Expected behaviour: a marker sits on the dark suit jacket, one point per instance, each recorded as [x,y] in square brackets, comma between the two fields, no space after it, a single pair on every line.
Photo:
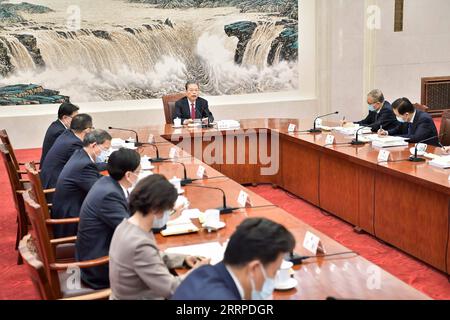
[208,283]
[63,148]
[74,182]
[102,211]
[53,132]
[422,128]
[183,110]
[385,118]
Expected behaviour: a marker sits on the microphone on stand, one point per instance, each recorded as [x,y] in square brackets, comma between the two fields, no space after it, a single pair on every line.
[314,129]
[224,209]
[137,143]
[185,181]
[415,158]
[356,142]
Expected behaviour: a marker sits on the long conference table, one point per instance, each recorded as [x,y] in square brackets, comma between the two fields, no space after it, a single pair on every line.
[402,203]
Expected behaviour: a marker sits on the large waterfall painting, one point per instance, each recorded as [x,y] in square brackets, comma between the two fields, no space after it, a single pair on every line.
[103,50]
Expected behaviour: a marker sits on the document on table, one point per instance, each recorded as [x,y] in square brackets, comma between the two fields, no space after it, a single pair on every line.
[212,250]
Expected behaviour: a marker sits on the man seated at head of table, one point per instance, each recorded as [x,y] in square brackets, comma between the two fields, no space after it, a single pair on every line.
[137,269]
[102,211]
[380,113]
[252,258]
[415,125]
[192,106]
[76,179]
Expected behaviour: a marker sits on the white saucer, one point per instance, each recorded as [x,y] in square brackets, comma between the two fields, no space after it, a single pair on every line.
[177,127]
[288,285]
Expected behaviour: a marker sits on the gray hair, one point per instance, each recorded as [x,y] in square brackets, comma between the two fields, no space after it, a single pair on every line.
[98,136]
[376,95]
[192,82]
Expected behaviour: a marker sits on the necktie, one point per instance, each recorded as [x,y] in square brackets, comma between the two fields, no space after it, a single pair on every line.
[409,128]
[192,110]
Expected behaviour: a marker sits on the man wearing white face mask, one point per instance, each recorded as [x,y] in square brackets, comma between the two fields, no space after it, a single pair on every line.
[137,269]
[102,211]
[76,179]
[415,125]
[380,113]
[252,258]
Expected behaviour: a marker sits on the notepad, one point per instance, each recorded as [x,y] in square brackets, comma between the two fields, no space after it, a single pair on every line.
[211,250]
[441,162]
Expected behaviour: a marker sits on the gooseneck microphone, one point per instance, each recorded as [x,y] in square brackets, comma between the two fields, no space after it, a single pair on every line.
[314,129]
[137,143]
[415,158]
[185,181]
[356,142]
[224,209]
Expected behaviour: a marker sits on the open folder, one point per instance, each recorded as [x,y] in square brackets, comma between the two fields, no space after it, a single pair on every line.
[181,225]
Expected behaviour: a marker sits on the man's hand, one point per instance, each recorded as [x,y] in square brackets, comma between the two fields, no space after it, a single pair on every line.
[195,262]
[188,121]
[383,133]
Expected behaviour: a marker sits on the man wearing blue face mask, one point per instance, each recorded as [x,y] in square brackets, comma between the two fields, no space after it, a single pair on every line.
[252,258]
[103,209]
[137,269]
[415,125]
[78,176]
[380,113]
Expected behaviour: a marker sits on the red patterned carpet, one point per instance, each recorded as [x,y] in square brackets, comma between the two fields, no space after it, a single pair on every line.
[15,283]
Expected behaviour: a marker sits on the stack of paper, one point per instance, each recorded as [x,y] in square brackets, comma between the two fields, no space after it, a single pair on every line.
[228,124]
[387,142]
[351,131]
[441,162]
[211,250]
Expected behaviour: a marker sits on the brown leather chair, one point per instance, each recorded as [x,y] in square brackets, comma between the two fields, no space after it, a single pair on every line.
[51,276]
[445,128]
[421,107]
[18,186]
[169,105]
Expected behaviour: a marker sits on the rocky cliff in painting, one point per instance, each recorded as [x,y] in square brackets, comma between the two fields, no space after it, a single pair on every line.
[22,94]
[150,49]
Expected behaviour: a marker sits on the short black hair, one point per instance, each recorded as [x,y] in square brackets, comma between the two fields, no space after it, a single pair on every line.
[153,193]
[191,82]
[122,161]
[258,239]
[81,122]
[66,109]
[98,136]
[403,105]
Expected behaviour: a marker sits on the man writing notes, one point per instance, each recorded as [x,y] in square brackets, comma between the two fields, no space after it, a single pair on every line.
[414,125]
[192,106]
[380,113]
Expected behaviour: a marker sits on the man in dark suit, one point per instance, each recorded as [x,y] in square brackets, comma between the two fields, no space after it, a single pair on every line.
[380,113]
[252,258]
[414,124]
[104,208]
[76,179]
[63,148]
[192,106]
[66,112]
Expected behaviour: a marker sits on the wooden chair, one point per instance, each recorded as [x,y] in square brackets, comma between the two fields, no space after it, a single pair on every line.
[64,250]
[445,128]
[18,186]
[169,105]
[40,279]
[58,276]
[5,140]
